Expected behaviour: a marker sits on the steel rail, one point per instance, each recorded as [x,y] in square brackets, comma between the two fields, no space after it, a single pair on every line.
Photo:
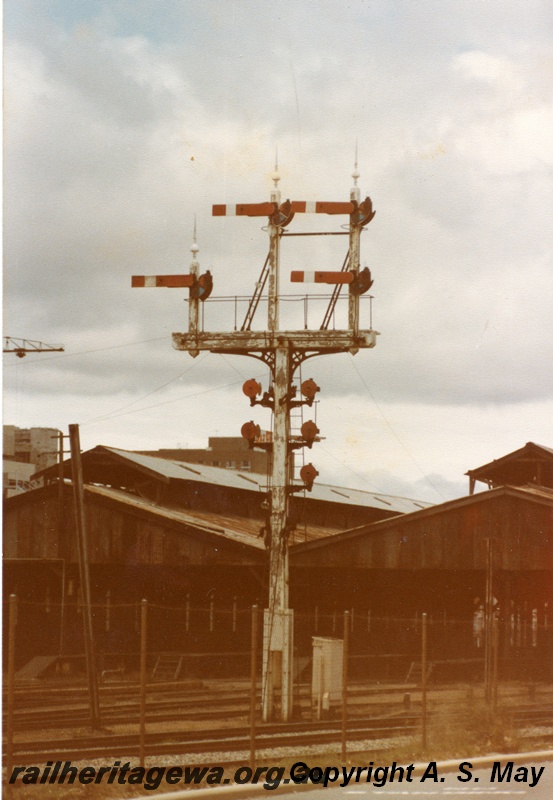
[173,744]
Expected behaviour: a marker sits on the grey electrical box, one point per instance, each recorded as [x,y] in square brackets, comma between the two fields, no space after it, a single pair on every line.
[326,686]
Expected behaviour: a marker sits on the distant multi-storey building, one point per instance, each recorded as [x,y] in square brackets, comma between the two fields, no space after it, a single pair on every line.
[229,452]
[26,451]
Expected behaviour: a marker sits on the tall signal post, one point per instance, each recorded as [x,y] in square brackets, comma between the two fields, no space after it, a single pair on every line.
[283,352]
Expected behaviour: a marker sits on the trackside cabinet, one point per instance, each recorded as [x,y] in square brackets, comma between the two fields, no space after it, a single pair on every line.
[326,687]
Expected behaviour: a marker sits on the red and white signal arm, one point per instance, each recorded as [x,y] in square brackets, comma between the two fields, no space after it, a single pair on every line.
[200,288]
[156,281]
[244,210]
[267,209]
[320,207]
[303,276]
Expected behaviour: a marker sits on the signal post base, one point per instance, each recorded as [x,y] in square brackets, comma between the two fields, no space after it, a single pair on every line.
[278,673]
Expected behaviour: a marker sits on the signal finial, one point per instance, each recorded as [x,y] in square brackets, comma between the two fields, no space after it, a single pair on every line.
[276,174]
[354,194]
[275,177]
[194,249]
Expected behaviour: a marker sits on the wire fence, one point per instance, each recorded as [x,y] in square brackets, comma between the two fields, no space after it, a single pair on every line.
[214,638]
[362,649]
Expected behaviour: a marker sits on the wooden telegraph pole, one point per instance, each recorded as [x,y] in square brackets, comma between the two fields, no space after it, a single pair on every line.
[84,574]
[283,352]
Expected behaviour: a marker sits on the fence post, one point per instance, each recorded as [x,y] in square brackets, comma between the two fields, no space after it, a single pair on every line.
[488,633]
[211,611]
[12,624]
[253,685]
[345,654]
[143,666]
[495,645]
[423,683]
[108,611]
[62,609]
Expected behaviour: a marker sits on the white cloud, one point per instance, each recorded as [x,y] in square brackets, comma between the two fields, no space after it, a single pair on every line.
[123,122]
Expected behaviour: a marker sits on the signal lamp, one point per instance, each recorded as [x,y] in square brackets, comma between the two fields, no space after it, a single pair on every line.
[205,283]
[202,287]
[362,282]
[366,212]
[309,431]
[251,388]
[250,431]
[308,473]
[309,388]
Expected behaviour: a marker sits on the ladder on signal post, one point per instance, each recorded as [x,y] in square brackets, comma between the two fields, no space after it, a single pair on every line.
[283,351]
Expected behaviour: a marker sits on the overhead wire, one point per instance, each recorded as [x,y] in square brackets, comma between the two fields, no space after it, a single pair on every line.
[168,402]
[122,410]
[174,400]
[107,415]
[353,472]
[393,432]
[27,362]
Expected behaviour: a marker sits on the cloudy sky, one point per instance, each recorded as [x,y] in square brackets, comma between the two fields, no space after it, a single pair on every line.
[125,119]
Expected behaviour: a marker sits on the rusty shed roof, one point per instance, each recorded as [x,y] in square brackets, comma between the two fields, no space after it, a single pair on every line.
[239,529]
[532,463]
[539,496]
[101,459]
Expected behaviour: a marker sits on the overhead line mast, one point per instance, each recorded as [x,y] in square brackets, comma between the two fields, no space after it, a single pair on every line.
[283,352]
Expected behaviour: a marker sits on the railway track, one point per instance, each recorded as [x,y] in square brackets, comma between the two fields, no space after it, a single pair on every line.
[218,741]
[51,709]
[44,722]
[233,741]
[375,714]
[208,710]
[42,710]
[227,750]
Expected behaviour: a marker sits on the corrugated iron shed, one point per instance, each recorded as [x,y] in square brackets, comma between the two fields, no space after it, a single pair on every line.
[100,465]
[532,463]
[239,529]
[449,536]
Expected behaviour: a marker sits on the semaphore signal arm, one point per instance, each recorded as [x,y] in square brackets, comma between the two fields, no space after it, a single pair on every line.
[301,344]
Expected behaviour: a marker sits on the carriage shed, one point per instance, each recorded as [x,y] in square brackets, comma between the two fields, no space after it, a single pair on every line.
[187,537]
[438,560]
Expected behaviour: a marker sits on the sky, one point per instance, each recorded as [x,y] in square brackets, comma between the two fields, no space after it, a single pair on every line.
[125,120]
